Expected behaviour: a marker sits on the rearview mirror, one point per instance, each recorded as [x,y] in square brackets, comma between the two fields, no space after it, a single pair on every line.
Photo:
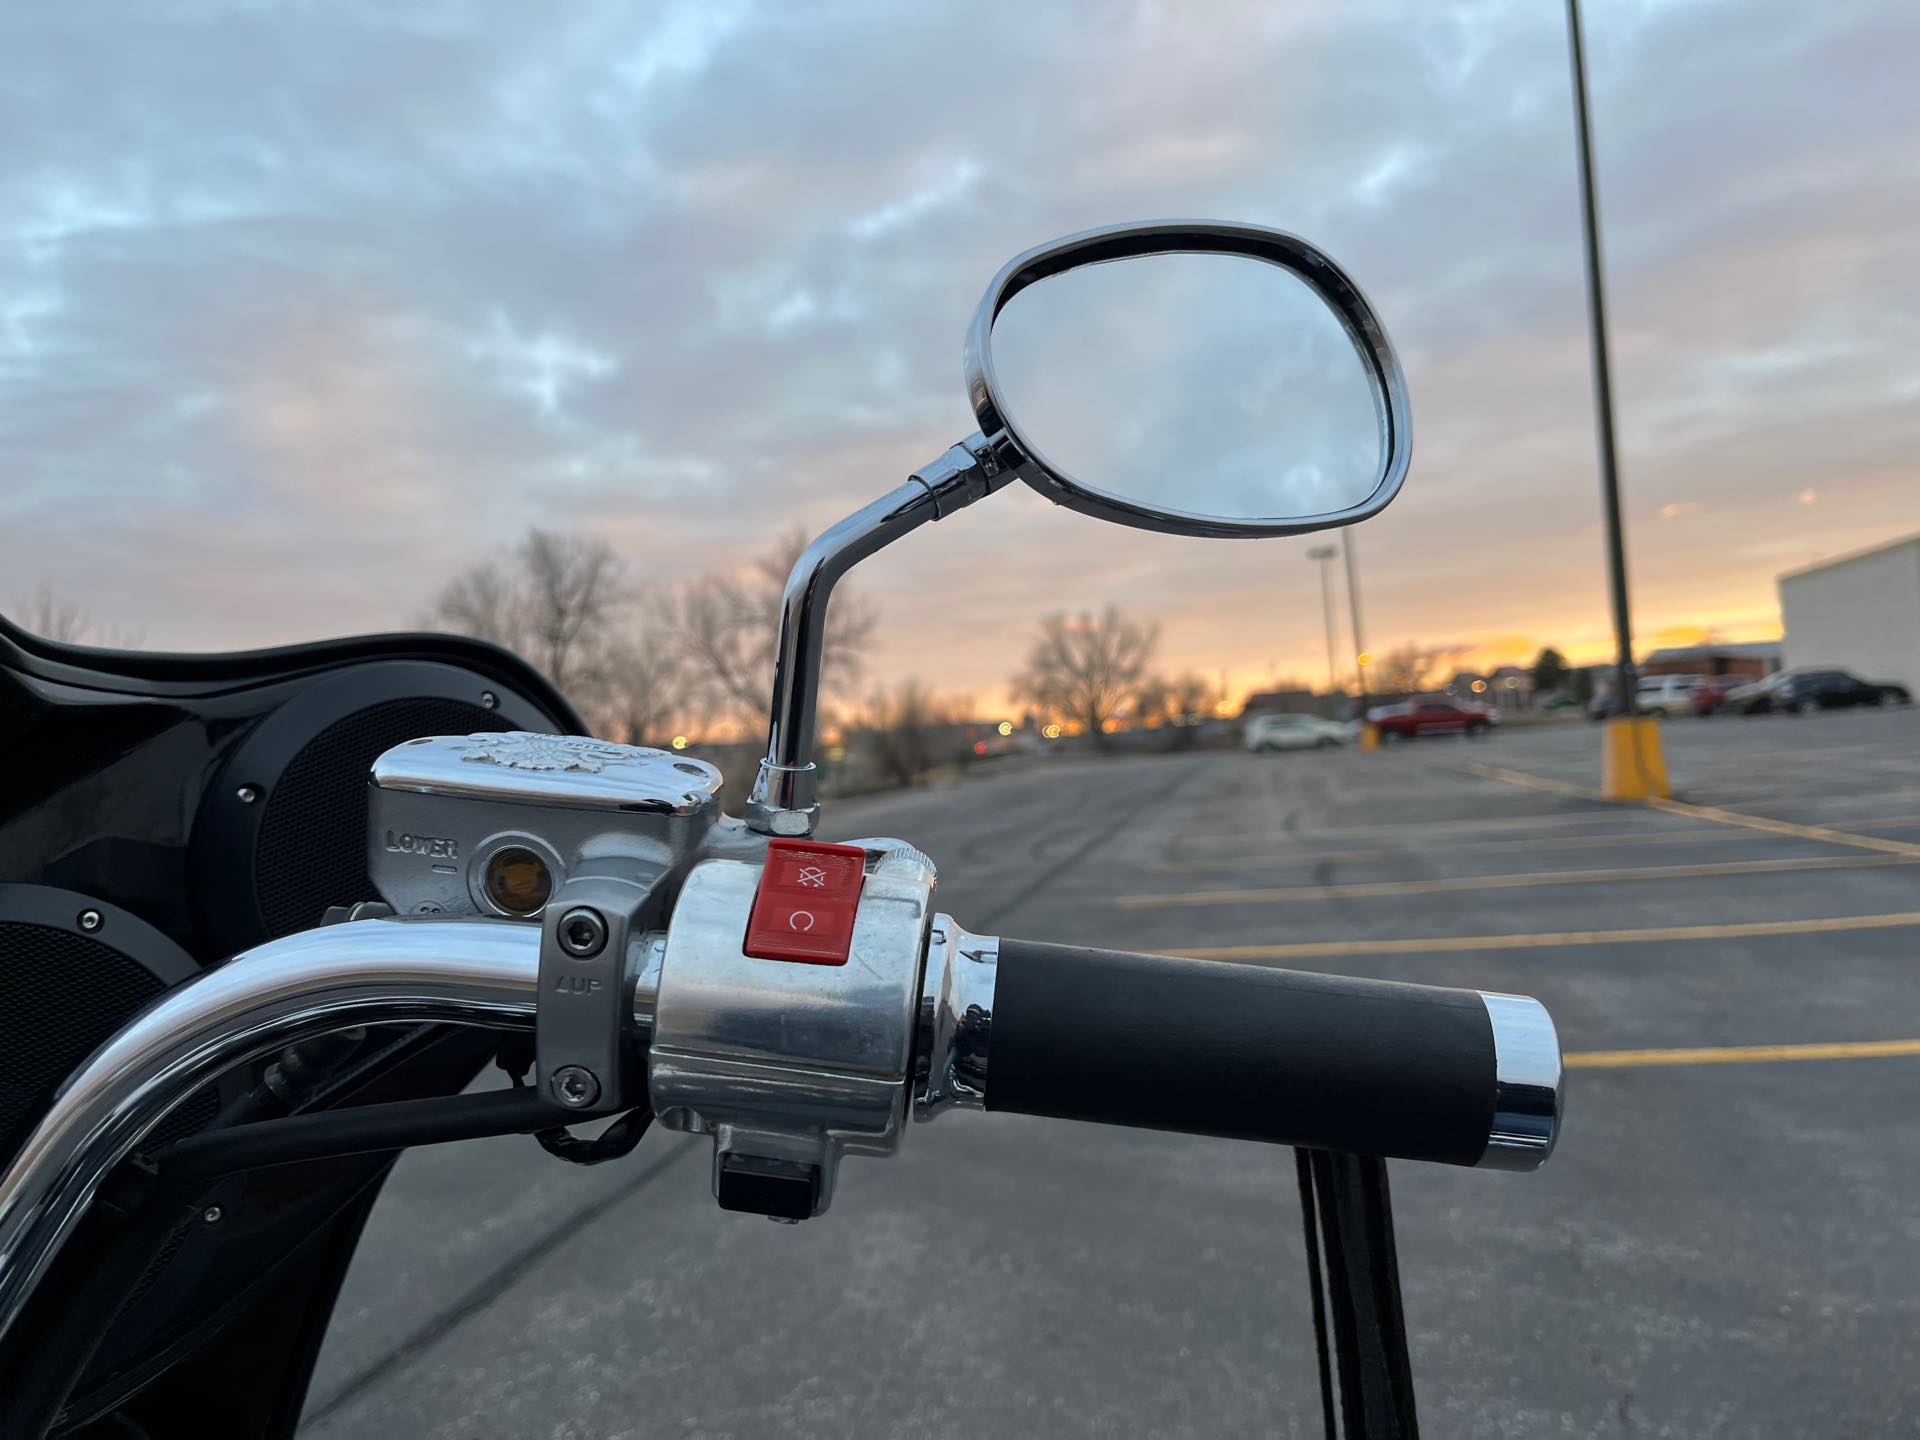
[1196,377]
[1188,376]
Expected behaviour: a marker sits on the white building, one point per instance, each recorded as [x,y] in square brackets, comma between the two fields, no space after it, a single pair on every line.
[1859,613]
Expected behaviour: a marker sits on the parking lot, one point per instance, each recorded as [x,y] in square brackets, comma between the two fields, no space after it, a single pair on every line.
[1727,1243]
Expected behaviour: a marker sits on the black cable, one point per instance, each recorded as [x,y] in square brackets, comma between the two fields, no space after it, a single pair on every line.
[1311,1226]
[357,1130]
[1363,1293]
[611,1143]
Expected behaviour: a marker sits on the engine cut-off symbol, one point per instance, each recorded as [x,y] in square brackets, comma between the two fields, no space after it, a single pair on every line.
[813,877]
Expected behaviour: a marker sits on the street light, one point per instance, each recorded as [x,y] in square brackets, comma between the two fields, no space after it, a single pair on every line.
[1353,608]
[1322,554]
[1633,766]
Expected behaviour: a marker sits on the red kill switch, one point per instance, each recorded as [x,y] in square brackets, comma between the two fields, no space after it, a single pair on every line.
[804,907]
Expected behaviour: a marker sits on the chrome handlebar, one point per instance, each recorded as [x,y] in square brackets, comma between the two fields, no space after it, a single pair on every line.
[788,1066]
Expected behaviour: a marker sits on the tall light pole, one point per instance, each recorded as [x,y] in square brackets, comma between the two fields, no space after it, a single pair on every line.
[1625,685]
[1353,608]
[1323,554]
[1632,766]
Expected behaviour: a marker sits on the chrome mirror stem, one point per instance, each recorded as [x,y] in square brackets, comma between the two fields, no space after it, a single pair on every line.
[783,801]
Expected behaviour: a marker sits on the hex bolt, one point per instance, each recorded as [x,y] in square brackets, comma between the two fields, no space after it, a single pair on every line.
[574,1086]
[489,700]
[582,932]
[248,794]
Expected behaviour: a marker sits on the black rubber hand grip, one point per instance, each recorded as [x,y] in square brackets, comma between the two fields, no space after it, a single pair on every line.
[1323,1061]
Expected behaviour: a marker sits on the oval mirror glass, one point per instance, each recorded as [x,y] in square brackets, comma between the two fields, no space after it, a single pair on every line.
[1200,386]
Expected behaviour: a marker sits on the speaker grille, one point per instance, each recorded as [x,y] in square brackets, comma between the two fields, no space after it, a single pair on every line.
[61,995]
[312,846]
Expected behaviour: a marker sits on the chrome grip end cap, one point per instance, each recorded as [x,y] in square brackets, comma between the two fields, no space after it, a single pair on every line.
[1527,1083]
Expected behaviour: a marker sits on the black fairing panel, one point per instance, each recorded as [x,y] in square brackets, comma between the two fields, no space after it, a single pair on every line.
[117,783]
[106,755]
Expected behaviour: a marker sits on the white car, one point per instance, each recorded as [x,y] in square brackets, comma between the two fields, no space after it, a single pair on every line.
[1293,732]
[1668,695]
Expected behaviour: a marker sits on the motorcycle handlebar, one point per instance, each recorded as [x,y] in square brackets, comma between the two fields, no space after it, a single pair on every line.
[1328,1062]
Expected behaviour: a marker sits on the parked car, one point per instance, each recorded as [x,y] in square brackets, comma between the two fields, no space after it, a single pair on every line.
[1653,695]
[1711,697]
[1795,692]
[1418,718]
[1666,695]
[1293,732]
[1290,732]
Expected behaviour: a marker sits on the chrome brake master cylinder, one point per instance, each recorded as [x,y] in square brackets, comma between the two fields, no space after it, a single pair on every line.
[586,838]
[495,824]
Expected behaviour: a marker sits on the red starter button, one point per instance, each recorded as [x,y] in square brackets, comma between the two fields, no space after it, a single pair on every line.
[804,907]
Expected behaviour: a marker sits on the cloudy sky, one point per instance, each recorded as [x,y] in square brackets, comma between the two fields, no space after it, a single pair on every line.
[304,307]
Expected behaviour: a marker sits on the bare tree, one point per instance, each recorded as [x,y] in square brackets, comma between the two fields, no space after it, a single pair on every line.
[482,601]
[47,615]
[898,728]
[1403,671]
[645,690]
[52,618]
[1180,703]
[554,600]
[730,626]
[1082,671]
[571,587]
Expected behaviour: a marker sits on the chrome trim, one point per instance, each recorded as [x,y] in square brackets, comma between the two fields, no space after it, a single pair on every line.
[956,1020]
[441,806]
[363,972]
[1311,265]
[645,955]
[1527,1083]
[554,770]
[782,799]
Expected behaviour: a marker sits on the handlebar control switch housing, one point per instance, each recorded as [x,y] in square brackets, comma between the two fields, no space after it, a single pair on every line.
[790,1064]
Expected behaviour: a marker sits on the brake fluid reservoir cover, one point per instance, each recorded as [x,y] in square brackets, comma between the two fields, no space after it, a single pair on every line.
[492,824]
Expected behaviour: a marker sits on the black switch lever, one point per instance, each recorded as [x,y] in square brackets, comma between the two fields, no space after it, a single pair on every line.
[753,1185]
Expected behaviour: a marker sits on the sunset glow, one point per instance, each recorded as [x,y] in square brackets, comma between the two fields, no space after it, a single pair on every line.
[278,368]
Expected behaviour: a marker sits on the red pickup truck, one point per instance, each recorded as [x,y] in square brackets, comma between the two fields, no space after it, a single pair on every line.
[1421,717]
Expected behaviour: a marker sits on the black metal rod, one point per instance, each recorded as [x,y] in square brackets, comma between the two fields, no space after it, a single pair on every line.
[1624,680]
[1353,609]
[357,1130]
[1372,1370]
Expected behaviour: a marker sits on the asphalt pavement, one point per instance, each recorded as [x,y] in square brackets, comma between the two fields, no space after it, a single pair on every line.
[1726,1244]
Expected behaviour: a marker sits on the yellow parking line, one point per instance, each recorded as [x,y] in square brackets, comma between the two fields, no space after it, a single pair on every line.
[1738,1054]
[1470,847]
[1785,827]
[1551,940]
[1519,777]
[1212,839]
[1470,883]
[1691,811]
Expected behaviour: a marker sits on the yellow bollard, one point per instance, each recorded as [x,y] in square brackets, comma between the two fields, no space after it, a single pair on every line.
[1632,766]
[1369,736]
